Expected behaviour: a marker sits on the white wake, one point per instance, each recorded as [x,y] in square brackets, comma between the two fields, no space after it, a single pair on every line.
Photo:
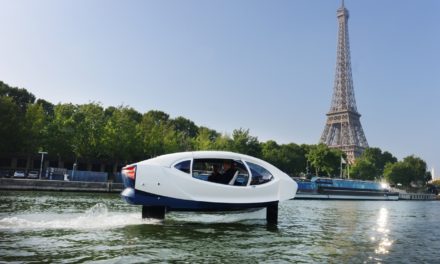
[97,217]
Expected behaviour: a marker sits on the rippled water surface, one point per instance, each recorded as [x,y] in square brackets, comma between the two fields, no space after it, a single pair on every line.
[101,228]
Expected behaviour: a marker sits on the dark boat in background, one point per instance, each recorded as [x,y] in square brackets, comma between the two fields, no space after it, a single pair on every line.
[343,189]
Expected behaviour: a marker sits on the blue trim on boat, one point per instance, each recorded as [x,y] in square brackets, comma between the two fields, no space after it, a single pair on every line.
[137,197]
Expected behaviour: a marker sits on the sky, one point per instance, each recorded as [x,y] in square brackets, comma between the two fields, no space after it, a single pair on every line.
[263,65]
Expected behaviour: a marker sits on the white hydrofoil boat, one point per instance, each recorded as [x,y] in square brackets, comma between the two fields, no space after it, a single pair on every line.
[206,181]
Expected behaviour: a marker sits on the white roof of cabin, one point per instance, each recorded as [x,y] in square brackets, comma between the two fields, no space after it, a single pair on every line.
[170,159]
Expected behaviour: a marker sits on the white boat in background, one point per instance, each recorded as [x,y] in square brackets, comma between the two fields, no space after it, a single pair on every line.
[206,181]
[343,189]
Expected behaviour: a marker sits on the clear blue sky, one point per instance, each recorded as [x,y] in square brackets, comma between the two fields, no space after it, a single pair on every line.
[267,66]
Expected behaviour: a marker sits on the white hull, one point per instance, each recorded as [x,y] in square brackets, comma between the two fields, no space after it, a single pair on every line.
[159,182]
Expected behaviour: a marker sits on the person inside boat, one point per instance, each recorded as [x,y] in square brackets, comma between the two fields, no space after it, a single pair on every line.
[229,171]
[215,176]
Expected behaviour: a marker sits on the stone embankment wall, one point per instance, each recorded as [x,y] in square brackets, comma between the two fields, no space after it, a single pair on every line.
[417,196]
[53,185]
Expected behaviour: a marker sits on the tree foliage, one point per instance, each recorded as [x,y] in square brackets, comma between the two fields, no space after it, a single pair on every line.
[120,141]
[325,159]
[61,131]
[364,169]
[289,157]
[10,127]
[370,165]
[89,129]
[33,128]
[205,139]
[121,135]
[243,142]
[411,170]
[436,182]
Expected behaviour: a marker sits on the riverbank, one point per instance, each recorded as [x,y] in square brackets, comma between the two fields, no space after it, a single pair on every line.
[54,185]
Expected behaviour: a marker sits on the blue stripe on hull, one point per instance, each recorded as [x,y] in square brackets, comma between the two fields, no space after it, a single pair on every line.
[137,197]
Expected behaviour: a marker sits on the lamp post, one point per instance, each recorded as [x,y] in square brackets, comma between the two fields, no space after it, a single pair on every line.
[307,168]
[42,158]
[73,169]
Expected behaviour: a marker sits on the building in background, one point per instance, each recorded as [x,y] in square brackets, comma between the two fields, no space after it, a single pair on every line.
[343,128]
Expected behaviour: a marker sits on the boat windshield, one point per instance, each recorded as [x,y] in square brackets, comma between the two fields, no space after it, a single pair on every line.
[259,174]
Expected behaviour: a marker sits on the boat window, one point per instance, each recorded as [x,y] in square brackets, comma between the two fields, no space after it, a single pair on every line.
[353,184]
[259,174]
[224,171]
[184,166]
[324,182]
[243,174]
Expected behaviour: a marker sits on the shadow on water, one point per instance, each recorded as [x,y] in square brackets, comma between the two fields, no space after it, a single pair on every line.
[192,238]
[200,226]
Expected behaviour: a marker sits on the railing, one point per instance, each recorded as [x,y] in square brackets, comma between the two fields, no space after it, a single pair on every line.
[417,196]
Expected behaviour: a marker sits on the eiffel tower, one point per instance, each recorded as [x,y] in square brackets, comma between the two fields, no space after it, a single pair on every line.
[343,128]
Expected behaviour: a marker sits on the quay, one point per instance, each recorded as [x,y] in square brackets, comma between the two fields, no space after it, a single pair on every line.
[112,187]
[418,196]
[57,185]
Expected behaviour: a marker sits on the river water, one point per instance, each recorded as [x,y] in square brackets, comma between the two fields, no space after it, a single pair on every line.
[62,227]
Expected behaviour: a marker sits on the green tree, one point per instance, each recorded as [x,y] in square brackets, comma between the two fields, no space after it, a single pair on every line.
[48,108]
[158,117]
[89,126]
[183,131]
[289,158]
[371,163]
[428,176]
[120,142]
[176,141]
[152,130]
[411,170]
[61,131]
[364,170]
[33,130]
[436,183]
[20,96]
[244,143]
[223,142]
[122,134]
[324,159]
[10,128]
[387,157]
[396,173]
[417,168]
[205,139]
[271,152]
[308,168]
[185,126]
[295,159]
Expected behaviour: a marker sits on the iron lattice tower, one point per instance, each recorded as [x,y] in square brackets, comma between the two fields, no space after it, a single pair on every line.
[343,128]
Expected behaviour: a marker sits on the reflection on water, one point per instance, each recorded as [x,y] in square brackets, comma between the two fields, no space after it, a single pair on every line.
[383,241]
[78,227]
